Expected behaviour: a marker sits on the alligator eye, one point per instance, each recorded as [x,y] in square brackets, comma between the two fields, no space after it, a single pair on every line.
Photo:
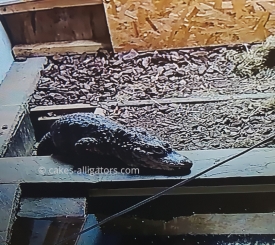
[158,150]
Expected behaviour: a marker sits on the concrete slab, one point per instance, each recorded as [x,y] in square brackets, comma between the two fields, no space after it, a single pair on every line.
[21,81]
[258,163]
[42,208]
[15,92]
[10,118]
[9,201]
[23,138]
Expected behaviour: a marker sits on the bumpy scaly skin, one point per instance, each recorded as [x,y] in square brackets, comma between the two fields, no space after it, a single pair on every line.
[82,132]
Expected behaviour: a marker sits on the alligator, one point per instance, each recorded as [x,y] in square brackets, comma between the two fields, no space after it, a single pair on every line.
[79,133]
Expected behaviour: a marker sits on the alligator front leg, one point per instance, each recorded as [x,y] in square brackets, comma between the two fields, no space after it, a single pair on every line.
[95,153]
[87,144]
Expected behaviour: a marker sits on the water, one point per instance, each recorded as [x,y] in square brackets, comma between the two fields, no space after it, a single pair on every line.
[159,222]
[49,231]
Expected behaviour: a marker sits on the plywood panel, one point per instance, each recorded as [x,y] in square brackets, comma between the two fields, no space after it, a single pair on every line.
[59,24]
[162,24]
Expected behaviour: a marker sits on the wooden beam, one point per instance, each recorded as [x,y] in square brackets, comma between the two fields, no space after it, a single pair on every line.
[34,5]
[256,163]
[41,208]
[9,201]
[52,48]
[191,100]
[197,224]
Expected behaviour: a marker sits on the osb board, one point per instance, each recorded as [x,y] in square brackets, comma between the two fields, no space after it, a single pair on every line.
[162,24]
[59,24]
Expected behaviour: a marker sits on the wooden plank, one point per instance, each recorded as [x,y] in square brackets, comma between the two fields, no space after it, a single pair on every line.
[40,208]
[191,190]
[25,6]
[9,201]
[256,163]
[49,49]
[197,224]
[8,2]
[191,100]
[59,24]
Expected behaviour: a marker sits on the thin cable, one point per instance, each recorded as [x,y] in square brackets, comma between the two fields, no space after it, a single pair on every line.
[165,191]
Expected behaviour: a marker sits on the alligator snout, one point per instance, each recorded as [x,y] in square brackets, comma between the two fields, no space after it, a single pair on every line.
[174,160]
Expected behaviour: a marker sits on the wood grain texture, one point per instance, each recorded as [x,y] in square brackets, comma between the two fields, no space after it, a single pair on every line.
[50,49]
[40,208]
[36,5]
[256,163]
[58,24]
[11,2]
[9,201]
[149,25]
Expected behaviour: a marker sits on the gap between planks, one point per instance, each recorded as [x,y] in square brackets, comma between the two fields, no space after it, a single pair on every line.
[63,48]
[190,190]
[26,6]
[79,107]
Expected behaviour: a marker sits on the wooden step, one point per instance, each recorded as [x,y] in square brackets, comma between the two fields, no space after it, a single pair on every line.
[62,48]
[19,6]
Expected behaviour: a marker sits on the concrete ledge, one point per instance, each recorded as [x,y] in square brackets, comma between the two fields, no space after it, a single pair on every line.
[23,138]
[258,163]
[41,208]
[16,134]
[9,201]
[21,81]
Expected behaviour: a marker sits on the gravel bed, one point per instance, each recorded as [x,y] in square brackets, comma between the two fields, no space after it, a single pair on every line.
[137,76]
[233,124]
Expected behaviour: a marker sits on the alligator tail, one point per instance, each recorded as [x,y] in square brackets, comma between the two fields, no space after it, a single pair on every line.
[46,146]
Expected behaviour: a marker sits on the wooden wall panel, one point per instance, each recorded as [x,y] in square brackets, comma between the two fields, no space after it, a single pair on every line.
[7,2]
[59,24]
[162,24]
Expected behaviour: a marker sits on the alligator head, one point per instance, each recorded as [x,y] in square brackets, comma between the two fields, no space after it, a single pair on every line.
[150,152]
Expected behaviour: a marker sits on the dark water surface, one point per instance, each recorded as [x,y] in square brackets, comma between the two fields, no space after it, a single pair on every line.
[49,231]
[161,222]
